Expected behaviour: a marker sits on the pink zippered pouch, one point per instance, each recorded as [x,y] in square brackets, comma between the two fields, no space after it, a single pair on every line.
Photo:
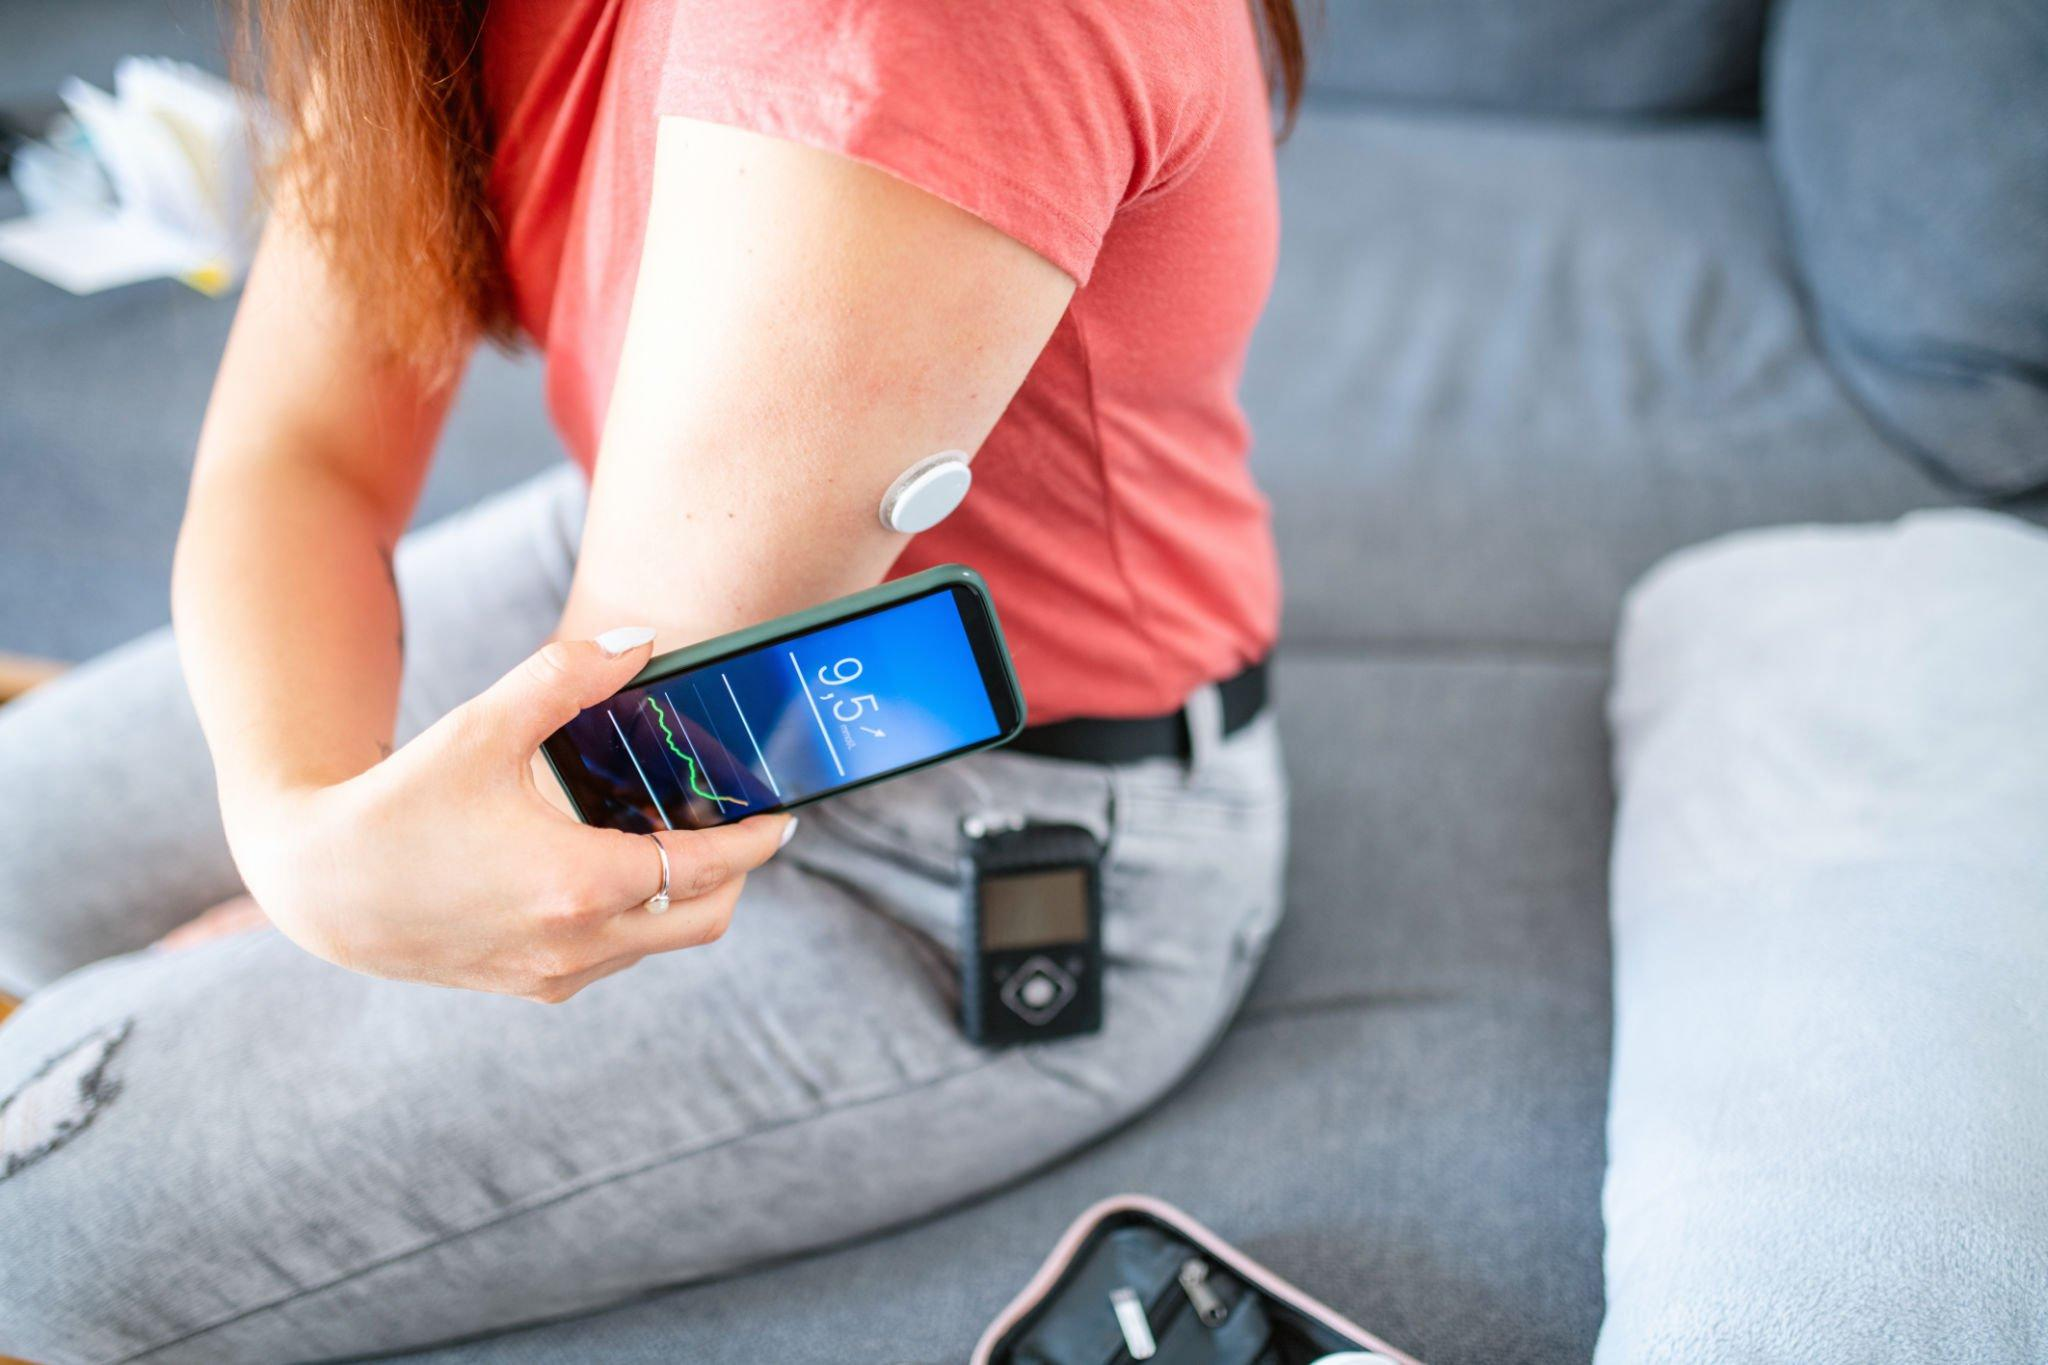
[1135,1279]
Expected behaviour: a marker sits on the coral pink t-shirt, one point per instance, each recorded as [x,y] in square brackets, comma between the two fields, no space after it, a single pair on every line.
[1126,141]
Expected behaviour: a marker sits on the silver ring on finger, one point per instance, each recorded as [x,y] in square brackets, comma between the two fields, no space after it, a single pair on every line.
[658,902]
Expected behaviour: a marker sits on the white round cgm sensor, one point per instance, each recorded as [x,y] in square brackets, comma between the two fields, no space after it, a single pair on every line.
[926,493]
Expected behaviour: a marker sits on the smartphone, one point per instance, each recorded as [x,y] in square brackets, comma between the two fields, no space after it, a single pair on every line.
[884,682]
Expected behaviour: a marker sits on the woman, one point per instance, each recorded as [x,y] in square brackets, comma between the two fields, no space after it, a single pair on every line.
[773,252]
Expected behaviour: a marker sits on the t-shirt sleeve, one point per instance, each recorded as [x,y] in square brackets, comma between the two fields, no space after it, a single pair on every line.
[1040,117]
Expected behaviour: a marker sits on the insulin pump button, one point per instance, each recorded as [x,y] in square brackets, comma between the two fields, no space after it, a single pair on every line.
[1038,991]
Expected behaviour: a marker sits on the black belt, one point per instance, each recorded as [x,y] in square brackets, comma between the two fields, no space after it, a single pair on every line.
[1126,740]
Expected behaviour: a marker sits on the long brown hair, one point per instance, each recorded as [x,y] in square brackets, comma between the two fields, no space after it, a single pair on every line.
[386,154]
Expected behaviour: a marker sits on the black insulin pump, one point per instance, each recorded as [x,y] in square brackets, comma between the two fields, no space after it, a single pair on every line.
[1031,966]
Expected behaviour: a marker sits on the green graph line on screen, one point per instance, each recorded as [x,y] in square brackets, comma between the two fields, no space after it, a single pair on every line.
[697,783]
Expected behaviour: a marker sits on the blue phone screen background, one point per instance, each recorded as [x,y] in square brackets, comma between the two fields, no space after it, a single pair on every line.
[787,721]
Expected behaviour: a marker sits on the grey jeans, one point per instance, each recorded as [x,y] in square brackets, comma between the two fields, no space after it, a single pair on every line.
[240,1152]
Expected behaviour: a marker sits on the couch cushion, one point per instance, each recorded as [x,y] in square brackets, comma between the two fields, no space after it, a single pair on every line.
[1449,836]
[1508,367]
[1560,56]
[1912,140]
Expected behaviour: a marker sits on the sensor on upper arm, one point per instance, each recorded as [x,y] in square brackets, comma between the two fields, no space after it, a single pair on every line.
[926,493]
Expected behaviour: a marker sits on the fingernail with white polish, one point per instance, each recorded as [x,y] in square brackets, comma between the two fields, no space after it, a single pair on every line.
[788,832]
[619,639]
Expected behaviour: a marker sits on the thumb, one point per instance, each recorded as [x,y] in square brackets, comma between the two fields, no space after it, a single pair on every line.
[548,689]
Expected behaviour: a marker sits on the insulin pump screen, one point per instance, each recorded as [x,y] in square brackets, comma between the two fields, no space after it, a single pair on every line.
[783,722]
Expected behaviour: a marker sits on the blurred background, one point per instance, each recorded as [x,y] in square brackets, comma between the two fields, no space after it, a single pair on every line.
[101,396]
[1567,286]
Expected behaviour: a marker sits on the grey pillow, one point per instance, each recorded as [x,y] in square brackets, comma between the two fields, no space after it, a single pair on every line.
[1911,143]
[1543,56]
[1828,1118]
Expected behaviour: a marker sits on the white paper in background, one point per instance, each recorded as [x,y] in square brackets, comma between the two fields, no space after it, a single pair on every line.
[152,178]
[173,141]
[208,121]
[85,252]
[60,172]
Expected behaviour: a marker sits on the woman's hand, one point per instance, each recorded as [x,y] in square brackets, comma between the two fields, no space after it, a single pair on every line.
[444,863]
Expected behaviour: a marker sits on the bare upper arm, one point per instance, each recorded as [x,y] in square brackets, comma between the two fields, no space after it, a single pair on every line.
[803,328]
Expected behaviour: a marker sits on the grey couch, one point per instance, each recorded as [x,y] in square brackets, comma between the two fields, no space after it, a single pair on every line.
[1513,357]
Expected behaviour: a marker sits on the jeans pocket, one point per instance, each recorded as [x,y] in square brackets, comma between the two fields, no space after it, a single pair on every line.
[1217,832]
[914,821]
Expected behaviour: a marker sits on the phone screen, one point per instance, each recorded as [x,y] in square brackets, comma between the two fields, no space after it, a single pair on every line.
[801,717]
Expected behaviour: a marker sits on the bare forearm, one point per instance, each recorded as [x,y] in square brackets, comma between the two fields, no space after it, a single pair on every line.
[289,626]
[310,461]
